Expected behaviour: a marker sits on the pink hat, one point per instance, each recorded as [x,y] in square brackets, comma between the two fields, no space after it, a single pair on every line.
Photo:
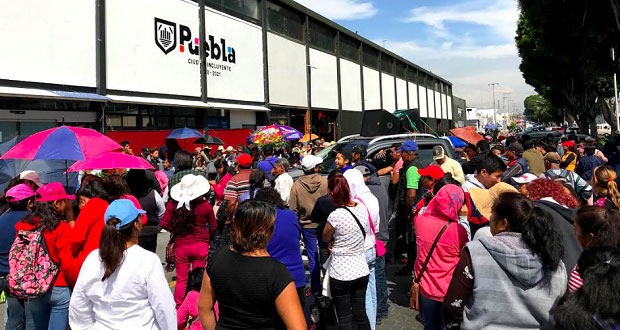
[52,192]
[19,192]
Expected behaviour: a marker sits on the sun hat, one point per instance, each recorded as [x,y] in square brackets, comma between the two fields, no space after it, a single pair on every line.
[525,178]
[310,161]
[19,192]
[190,188]
[244,160]
[408,146]
[52,192]
[553,157]
[483,199]
[438,153]
[31,176]
[433,171]
[123,210]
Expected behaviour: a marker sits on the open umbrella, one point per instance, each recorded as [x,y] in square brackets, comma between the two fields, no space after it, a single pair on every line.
[456,142]
[309,137]
[467,134]
[490,126]
[210,140]
[111,160]
[277,133]
[185,133]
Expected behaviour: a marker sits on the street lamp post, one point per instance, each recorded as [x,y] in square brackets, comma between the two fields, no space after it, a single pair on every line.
[494,115]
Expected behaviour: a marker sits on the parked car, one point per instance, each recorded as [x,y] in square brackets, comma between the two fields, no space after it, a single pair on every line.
[540,133]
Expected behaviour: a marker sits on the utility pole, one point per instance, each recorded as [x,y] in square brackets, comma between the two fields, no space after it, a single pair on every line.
[494,111]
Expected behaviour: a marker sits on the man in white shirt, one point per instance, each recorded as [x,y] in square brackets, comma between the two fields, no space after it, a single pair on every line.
[447,164]
[283,182]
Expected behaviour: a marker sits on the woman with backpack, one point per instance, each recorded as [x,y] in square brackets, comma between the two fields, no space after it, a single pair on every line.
[189,218]
[121,285]
[49,309]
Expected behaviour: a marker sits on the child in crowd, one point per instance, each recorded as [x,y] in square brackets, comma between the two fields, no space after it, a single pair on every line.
[187,312]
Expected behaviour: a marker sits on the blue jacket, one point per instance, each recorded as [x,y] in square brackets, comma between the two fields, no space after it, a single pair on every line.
[284,245]
[586,166]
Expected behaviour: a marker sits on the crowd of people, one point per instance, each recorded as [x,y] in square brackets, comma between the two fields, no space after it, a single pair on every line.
[520,234]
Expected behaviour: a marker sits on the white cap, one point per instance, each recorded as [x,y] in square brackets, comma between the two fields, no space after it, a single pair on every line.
[525,178]
[220,148]
[310,161]
[229,149]
[32,176]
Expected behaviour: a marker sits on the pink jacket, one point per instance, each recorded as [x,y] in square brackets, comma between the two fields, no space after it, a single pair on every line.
[443,207]
[221,186]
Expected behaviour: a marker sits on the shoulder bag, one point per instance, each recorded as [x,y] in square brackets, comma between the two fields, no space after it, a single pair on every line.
[414,300]
[379,245]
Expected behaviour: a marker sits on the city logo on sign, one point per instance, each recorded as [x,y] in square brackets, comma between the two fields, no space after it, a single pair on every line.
[165,35]
[165,38]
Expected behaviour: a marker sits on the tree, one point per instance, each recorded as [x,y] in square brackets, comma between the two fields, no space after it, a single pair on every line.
[565,55]
[539,109]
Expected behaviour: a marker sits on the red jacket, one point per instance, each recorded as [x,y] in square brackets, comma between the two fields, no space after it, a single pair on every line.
[85,236]
[56,240]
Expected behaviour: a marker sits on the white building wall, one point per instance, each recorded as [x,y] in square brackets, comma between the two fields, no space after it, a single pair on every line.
[240,117]
[430,95]
[401,94]
[413,95]
[389,94]
[423,105]
[372,98]
[287,71]
[323,80]
[449,107]
[350,86]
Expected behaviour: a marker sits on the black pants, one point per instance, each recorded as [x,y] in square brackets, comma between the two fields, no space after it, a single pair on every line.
[349,298]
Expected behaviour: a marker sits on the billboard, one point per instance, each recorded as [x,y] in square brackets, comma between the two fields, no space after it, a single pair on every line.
[287,71]
[323,80]
[48,41]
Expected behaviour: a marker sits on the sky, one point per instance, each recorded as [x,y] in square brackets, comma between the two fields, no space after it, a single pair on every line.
[468,42]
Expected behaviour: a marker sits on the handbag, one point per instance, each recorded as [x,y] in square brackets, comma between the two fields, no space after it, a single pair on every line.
[414,300]
[379,245]
[170,255]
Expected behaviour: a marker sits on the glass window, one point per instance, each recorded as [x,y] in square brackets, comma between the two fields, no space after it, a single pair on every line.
[349,48]
[401,69]
[130,121]
[322,36]
[285,21]
[214,3]
[31,127]
[8,130]
[247,8]
[371,56]
[386,63]
[114,120]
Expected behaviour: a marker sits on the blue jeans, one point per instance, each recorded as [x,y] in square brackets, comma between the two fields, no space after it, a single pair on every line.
[51,310]
[382,291]
[312,249]
[15,314]
[431,311]
[371,288]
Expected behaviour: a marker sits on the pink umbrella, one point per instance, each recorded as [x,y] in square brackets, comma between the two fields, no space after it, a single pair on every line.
[62,143]
[111,160]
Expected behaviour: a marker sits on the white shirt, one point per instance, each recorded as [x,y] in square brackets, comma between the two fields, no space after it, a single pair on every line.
[136,296]
[284,184]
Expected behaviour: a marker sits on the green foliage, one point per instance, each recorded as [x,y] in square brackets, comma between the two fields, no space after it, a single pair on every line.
[512,126]
[539,109]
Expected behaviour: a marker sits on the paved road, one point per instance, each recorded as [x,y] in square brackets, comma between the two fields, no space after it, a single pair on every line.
[400,316]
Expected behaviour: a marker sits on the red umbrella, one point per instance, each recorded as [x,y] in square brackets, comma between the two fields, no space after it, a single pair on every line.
[111,160]
[467,134]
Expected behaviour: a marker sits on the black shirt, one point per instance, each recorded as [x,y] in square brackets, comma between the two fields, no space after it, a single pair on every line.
[246,289]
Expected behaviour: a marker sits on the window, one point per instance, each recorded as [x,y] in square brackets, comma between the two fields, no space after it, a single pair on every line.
[371,56]
[322,36]
[349,48]
[386,63]
[245,8]
[412,74]
[401,69]
[218,118]
[285,21]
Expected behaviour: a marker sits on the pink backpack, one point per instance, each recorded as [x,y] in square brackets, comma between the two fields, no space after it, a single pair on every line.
[32,271]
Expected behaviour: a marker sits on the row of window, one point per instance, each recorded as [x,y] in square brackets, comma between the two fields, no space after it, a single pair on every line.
[290,23]
[160,117]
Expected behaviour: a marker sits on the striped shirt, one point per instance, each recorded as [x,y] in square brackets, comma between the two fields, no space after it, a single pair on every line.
[237,185]
[574,280]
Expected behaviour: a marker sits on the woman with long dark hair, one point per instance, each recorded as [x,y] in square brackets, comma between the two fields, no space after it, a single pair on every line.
[224,173]
[252,289]
[151,202]
[189,218]
[523,261]
[49,311]
[257,181]
[348,270]
[122,285]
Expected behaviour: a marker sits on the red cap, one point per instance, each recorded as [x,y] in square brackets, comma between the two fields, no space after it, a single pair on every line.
[433,171]
[244,160]
[570,143]
[52,192]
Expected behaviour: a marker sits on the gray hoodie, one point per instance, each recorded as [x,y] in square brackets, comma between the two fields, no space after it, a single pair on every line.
[512,289]
[374,184]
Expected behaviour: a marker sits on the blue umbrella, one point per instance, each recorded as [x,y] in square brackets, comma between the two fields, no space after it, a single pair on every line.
[185,133]
[489,126]
[456,142]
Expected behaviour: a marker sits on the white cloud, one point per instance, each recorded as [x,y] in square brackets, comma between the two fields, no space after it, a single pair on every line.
[341,9]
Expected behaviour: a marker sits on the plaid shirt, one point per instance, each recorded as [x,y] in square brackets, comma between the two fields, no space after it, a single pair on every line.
[176,178]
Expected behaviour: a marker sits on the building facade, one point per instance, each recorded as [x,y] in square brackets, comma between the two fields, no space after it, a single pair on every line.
[217,64]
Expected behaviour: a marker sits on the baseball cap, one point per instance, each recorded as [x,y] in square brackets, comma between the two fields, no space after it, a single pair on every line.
[365,170]
[346,153]
[229,149]
[244,160]
[360,149]
[31,176]
[309,162]
[570,143]
[553,157]
[433,171]
[123,210]
[19,192]
[52,192]
[220,148]
[408,146]
[525,178]
[516,147]
[438,153]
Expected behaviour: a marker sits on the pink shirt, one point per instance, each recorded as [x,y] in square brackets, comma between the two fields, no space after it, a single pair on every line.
[189,308]
[398,165]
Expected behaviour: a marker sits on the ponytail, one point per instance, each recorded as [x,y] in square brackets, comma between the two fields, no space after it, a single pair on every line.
[113,244]
[542,238]
[605,177]
[613,193]
[600,270]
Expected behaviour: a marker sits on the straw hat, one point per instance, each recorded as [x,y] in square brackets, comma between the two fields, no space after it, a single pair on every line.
[483,199]
[190,188]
